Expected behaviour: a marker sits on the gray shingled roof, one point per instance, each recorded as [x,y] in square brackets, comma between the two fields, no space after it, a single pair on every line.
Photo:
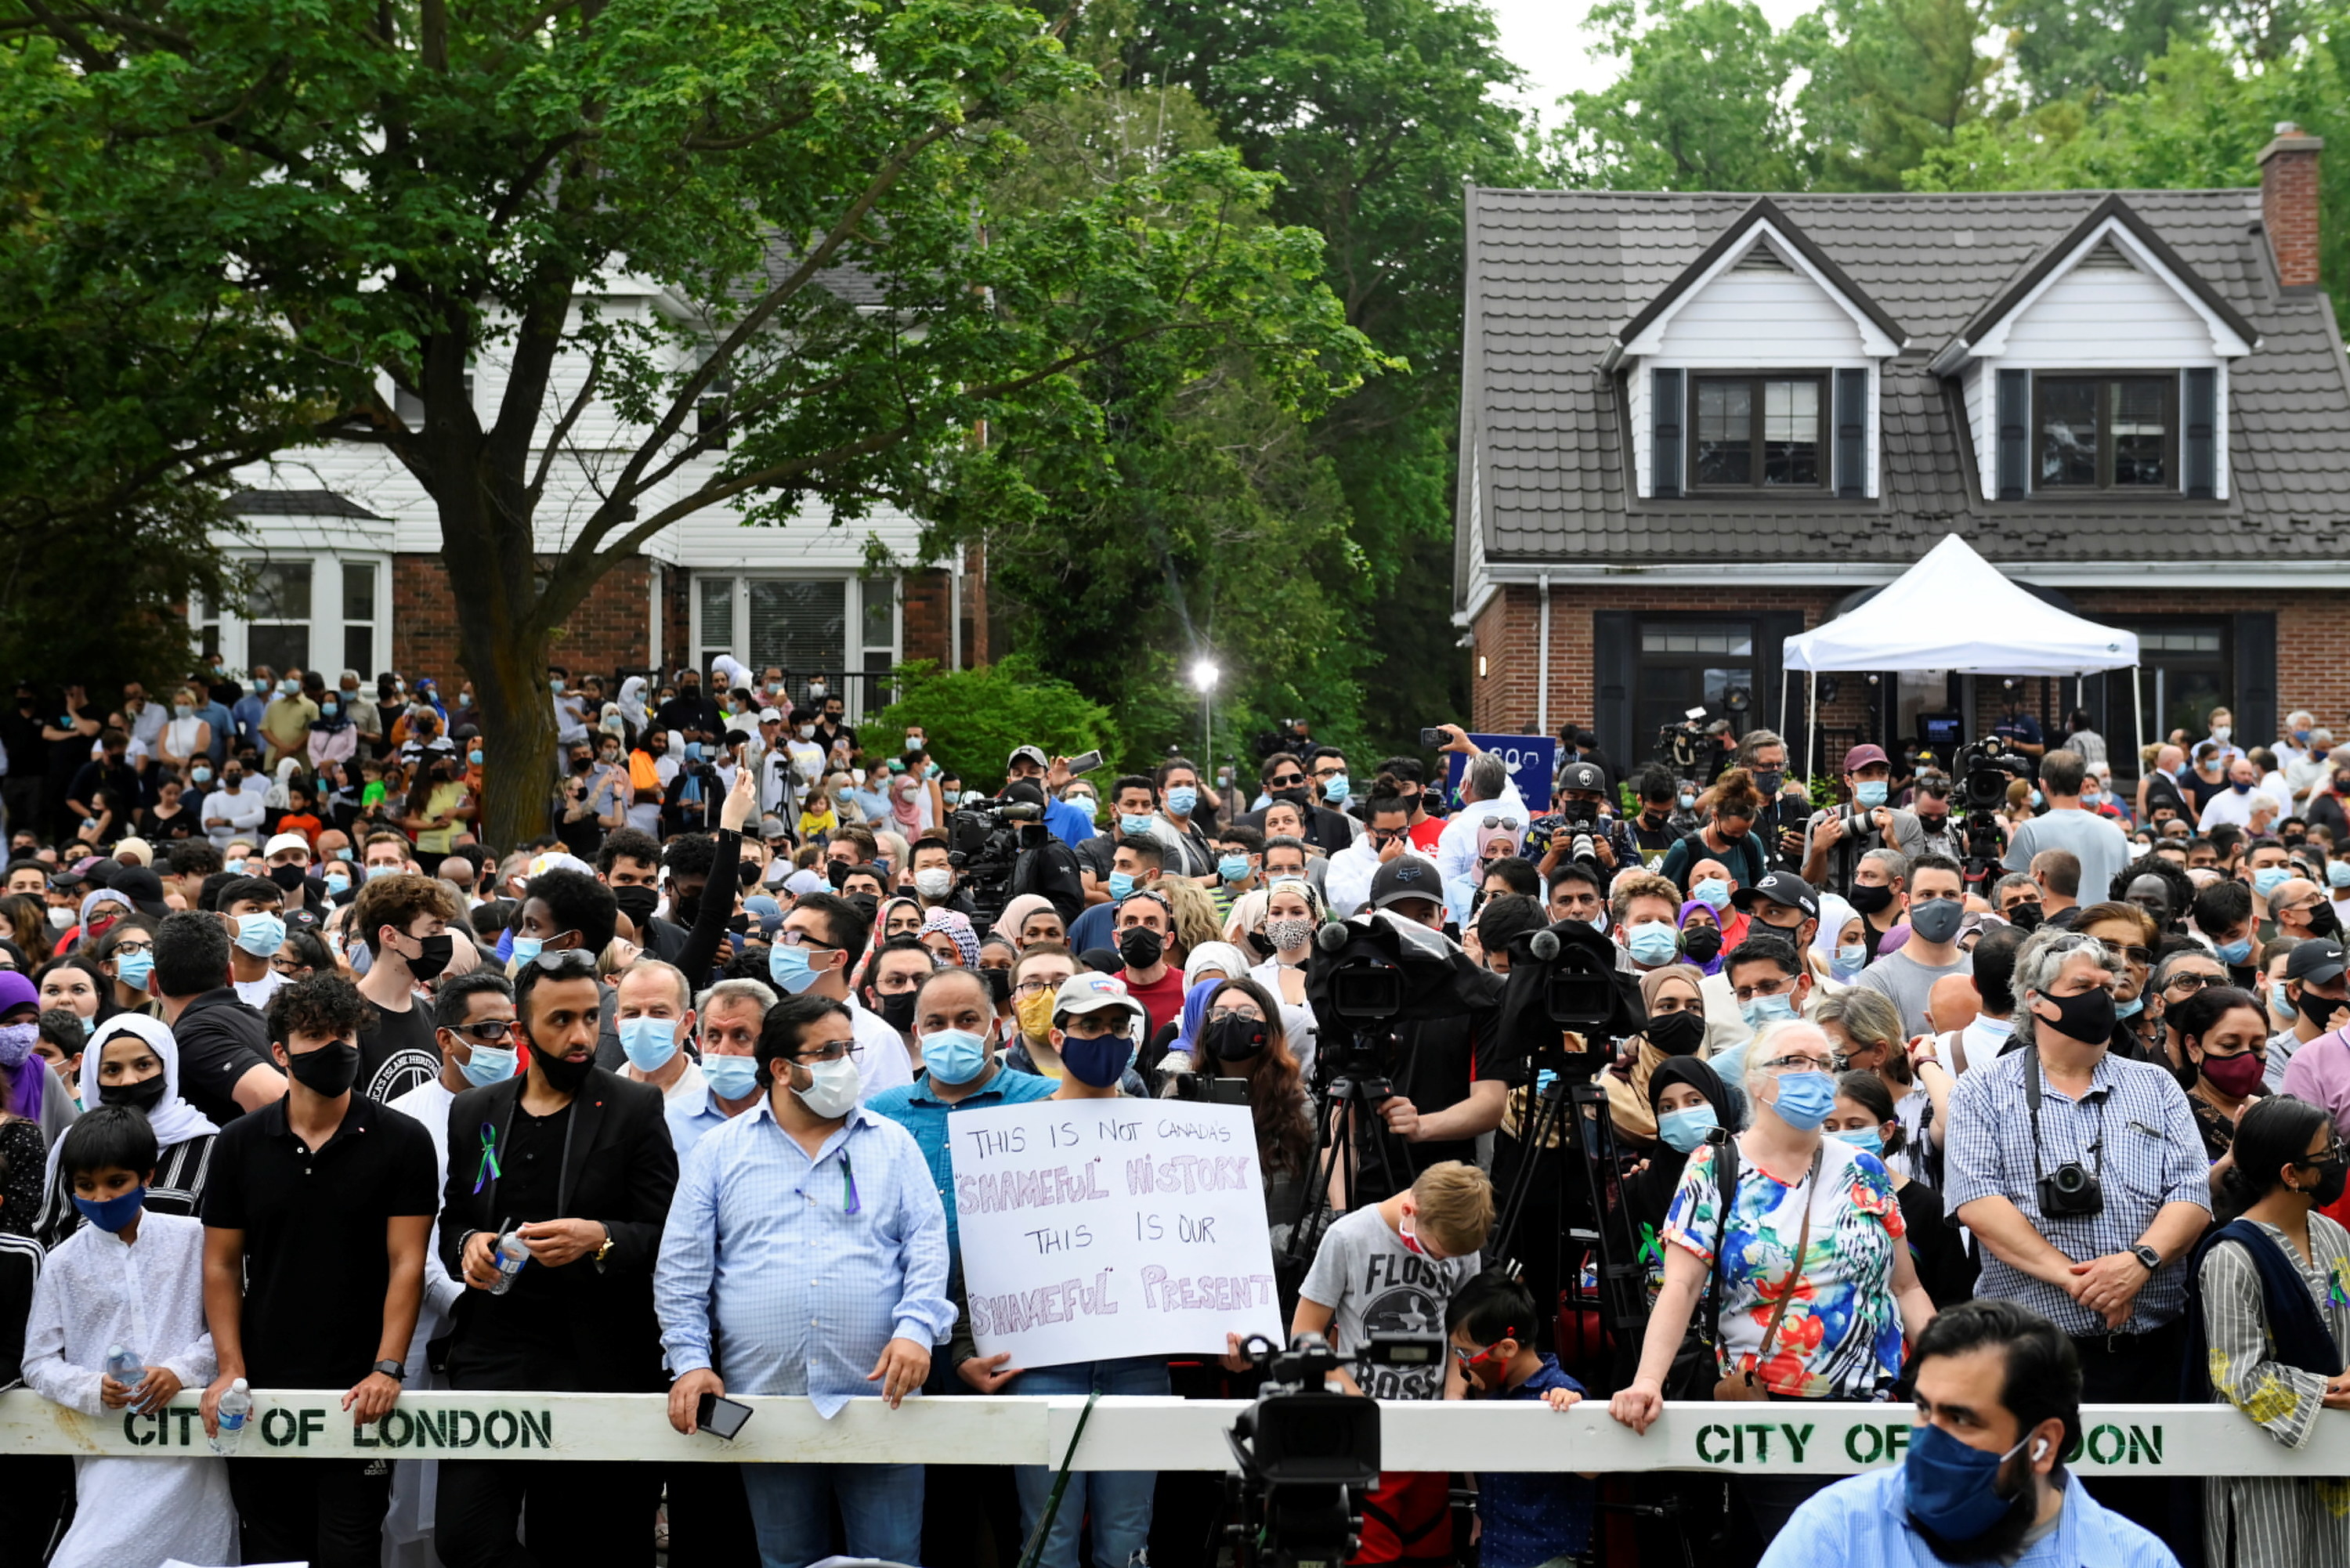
[1554,274]
[298,503]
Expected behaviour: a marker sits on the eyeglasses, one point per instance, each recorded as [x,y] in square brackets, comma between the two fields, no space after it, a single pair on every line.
[290,968]
[121,949]
[833,1052]
[1286,780]
[2332,1154]
[1800,1064]
[2191,982]
[488,1031]
[1031,987]
[1220,1014]
[566,962]
[802,940]
[2130,951]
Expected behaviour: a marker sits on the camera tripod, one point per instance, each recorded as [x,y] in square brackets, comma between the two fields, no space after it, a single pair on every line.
[1348,1108]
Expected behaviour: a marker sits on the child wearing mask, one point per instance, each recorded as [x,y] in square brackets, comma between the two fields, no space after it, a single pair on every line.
[130,1279]
[1533,1518]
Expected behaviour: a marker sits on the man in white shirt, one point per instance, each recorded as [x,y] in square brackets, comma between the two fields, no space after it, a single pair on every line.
[570,711]
[1348,881]
[2235,806]
[2309,765]
[235,807]
[821,940]
[1486,791]
[653,1014]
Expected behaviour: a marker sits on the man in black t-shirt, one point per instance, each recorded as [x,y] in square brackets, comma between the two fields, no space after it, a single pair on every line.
[404,922]
[317,1215]
[225,1068]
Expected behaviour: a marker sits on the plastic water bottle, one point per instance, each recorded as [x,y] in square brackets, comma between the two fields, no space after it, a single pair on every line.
[125,1366]
[510,1256]
[234,1406]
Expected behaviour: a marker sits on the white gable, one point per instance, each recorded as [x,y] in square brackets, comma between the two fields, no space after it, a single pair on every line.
[1760,318]
[2098,317]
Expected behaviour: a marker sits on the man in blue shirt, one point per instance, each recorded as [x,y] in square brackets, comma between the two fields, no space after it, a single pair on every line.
[1069,824]
[1998,1389]
[806,1253]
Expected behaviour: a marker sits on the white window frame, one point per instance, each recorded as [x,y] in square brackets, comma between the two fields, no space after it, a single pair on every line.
[326,642]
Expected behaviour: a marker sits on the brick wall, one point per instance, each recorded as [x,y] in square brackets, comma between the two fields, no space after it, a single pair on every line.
[607,631]
[2289,204]
[926,614]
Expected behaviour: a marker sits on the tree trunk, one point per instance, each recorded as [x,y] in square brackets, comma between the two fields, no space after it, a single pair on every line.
[517,720]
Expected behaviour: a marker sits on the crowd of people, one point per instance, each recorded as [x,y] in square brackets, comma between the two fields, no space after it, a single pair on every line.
[660,1103]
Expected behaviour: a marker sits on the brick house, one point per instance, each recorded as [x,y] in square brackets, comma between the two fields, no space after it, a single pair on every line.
[344,548]
[1695,424]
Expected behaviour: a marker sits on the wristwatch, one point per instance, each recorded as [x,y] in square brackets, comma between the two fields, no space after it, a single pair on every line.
[2149,1256]
[604,1251]
[394,1370]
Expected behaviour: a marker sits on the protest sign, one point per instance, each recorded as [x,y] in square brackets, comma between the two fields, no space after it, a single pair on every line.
[1098,1228]
[1533,761]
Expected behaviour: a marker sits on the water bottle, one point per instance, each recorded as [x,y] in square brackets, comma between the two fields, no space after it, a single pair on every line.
[234,1406]
[510,1256]
[125,1366]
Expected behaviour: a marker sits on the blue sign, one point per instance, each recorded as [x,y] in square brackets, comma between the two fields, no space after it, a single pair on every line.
[1532,760]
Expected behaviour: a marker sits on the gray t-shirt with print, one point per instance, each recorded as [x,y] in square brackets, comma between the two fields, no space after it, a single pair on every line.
[1373,1283]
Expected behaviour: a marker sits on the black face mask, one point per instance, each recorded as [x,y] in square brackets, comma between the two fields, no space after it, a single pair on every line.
[1141,947]
[1934,824]
[868,904]
[898,1010]
[2324,921]
[287,877]
[836,872]
[582,764]
[562,1076]
[427,965]
[2088,1017]
[999,985]
[2025,916]
[689,908]
[1703,943]
[1234,1039]
[1869,900]
[143,1096]
[328,1072]
[2315,1008]
[2331,1186]
[1769,780]
[638,903]
[1677,1033]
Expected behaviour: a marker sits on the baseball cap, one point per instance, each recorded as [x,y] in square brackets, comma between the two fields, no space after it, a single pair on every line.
[2320,958]
[1583,775]
[1032,754]
[1405,877]
[284,841]
[1862,756]
[1094,992]
[770,716]
[1779,887]
[145,891]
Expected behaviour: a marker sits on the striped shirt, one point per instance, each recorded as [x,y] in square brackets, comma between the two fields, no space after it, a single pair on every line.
[2132,1130]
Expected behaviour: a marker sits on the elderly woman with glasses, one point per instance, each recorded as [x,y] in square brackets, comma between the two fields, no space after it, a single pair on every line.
[1799,1237]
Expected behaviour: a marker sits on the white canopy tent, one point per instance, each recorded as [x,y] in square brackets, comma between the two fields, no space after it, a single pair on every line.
[1954,611]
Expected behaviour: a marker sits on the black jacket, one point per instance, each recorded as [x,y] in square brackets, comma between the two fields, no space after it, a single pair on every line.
[620,1169]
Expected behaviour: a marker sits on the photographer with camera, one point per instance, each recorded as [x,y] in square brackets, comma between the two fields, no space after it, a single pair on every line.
[1581,829]
[1835,839]
[1044,863]
[1779,826]
[2084,1178]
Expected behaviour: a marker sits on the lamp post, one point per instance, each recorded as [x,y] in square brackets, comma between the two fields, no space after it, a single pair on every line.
[1203,679]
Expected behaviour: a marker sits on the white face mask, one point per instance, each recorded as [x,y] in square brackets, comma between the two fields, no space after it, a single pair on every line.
[834,1093]
[933,881]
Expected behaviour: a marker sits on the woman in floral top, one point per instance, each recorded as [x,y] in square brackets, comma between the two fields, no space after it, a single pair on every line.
[1848,1300]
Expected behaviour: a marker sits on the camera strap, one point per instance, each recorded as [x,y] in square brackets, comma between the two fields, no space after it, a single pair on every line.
[2032,1104]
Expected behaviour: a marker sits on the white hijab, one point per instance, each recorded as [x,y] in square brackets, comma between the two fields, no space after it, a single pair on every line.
[174,1120]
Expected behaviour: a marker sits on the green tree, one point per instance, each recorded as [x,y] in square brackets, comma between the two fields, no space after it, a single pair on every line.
[407,191]
[975,717]
[2090,49]
[1704,102]
[1897,79]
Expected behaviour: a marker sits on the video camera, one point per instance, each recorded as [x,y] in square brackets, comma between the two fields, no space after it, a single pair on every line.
[1564,980]
[1291,736]
[1375,968]
[1691,742]
[1985,769]
[1302,1455]
[983,847]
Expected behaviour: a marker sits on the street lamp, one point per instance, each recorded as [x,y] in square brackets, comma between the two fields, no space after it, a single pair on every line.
[1204,680]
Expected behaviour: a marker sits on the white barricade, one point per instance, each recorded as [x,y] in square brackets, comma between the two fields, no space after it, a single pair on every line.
[1147,1434]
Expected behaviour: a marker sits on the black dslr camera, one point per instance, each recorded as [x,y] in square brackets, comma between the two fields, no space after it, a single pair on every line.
[2072,1192]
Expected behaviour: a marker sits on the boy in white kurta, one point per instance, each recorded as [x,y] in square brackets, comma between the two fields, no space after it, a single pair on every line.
[136,1280]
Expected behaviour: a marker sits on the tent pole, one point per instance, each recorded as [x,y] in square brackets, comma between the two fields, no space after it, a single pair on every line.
[1783,702]
[1812,730]
[2138,718]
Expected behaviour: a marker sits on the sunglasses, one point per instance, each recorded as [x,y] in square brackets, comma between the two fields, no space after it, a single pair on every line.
[566,962]
[488,1032]
[2132,951]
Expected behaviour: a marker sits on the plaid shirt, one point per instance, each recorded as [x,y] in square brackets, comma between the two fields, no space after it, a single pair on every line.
[2132,1130]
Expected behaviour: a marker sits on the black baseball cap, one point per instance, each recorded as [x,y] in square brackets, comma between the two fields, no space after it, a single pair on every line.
[1779,887]
[2320,958]
[1583,775]
[1405,877]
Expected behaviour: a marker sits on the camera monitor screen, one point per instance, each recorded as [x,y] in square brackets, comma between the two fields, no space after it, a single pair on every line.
[1941,733]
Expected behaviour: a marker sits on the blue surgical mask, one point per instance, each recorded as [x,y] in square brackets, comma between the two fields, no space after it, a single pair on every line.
[1335,790]
[487,1064]
[2281,1007]
[2035,797]
[1684,1130]
[1181,799]
[1804,1099]
[1235,867]
[200,773]
[375,871]
[329,708]
[2236,952]
[1868,1140]
[954,1055]
[1868,793]
[132,969]
[111,1214]
[732,1077]
[1653,942]
[1949,1486]
[788,967]
[1689,800]
[474,757]
[338,882]
[2269,878]
[1713,893]
[1134,826]
[1085,804]
[648,1043]
[2130,1009]
[1121,883]
[260,935]
[1760,1010]
[1850,960]
[525,947]
[2337,873]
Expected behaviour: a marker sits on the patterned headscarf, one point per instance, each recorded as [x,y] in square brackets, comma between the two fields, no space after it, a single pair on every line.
[955,924]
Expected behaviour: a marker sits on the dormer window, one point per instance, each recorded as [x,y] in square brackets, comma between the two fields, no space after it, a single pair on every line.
[1758,431]
[2107,432]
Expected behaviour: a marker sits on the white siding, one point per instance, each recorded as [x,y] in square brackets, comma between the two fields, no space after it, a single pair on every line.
[1760,320]
[2100,318]
[1637,403]
[1982,384]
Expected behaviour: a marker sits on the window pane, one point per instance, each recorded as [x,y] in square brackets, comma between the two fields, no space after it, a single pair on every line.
[1791,432]
[880,598]
[2068,432]
[280,647]
[717,612]
[799,625]
[1725,432]
[359,650]
[358,590]
[281,591]
[2141,431]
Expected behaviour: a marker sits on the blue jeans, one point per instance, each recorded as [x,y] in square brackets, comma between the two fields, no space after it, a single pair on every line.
[791,1507]
[1118,1500]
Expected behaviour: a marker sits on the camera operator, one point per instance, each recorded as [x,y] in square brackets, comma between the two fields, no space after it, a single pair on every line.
[1582,827]
[2083,1178]
[1046,866]
[1778,828]
[1835,839]
[1451,1076]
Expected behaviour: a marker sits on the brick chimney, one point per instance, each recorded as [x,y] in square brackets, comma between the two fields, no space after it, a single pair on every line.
[2289,204]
